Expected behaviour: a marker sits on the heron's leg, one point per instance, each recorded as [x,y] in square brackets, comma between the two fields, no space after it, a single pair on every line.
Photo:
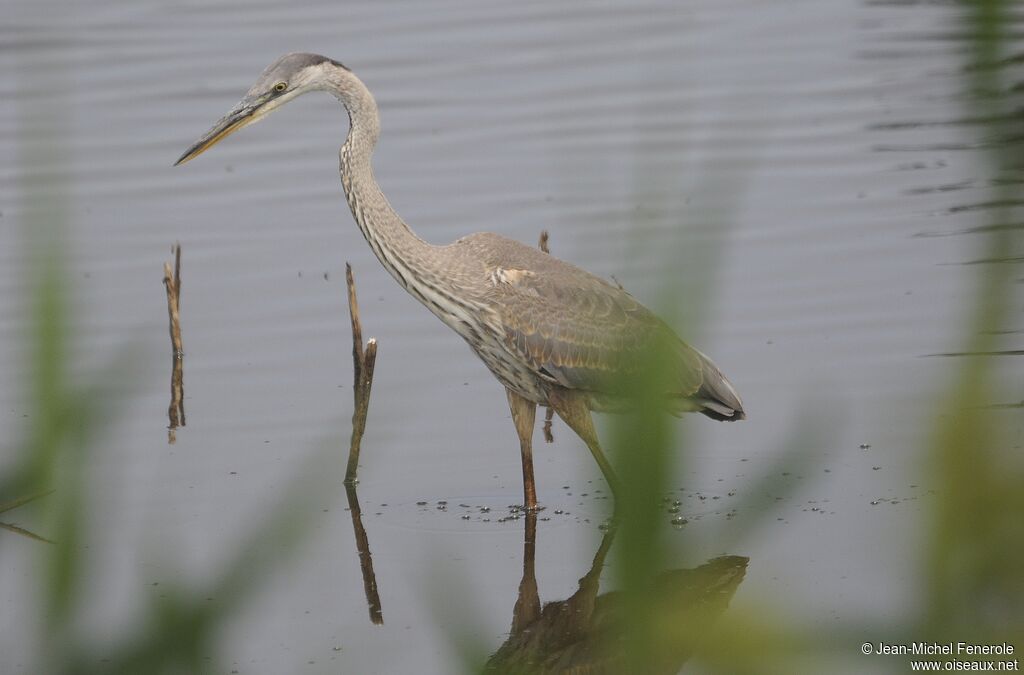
[524,414]
[573,410]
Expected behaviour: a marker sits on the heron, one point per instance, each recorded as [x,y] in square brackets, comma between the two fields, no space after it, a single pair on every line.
[552,333]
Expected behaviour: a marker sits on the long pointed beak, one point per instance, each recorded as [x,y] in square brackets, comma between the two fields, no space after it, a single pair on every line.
[240,116]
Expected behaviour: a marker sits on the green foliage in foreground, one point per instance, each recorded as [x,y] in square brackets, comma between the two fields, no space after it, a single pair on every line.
[970,576]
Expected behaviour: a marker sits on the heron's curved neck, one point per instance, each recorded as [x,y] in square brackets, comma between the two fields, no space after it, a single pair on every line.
[395,245]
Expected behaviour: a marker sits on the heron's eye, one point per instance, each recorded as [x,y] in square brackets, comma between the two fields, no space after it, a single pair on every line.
[280,86]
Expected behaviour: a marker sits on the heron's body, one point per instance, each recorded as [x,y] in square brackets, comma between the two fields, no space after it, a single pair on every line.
[552,333]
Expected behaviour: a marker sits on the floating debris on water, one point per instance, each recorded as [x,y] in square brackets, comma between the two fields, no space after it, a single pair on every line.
[865,446]
[679,522]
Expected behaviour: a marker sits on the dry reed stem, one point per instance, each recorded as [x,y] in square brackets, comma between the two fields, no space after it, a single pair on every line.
[172,282]
[362,380]
[549,413]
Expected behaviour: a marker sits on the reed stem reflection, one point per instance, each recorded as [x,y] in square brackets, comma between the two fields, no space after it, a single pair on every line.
[365,557]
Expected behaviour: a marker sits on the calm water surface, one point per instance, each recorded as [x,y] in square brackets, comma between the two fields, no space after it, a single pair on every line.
[808,167]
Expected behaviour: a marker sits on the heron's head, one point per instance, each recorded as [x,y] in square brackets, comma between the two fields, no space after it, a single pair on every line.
[286,78]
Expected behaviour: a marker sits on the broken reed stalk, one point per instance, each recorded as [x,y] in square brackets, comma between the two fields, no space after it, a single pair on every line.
[365,558]
[172,282]
[363,362]
[550,413]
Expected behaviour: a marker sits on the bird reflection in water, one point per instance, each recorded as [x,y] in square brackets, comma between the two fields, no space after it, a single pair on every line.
[583,633]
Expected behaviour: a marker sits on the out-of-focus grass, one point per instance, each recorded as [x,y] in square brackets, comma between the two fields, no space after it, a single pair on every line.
[971,575]
[972,569]
[178,630]
[180,627]
[975,560]
[21,501]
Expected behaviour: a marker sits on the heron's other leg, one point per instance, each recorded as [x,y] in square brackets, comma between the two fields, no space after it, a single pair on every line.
[573,410]
[524,414]
[527,608]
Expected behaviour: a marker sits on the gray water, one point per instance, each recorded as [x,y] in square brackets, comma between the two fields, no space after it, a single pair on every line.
[807,166]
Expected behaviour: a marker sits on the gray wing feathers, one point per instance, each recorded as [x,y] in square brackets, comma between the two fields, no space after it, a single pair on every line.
[583,333]
[572,326]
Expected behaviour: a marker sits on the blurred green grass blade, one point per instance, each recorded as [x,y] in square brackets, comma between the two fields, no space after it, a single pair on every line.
[799,455]
[181,626]
[23,500]
[976,552]
[18,530]
[456,615]
[975,555]
[48,384]
[83,414]
[644,452]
